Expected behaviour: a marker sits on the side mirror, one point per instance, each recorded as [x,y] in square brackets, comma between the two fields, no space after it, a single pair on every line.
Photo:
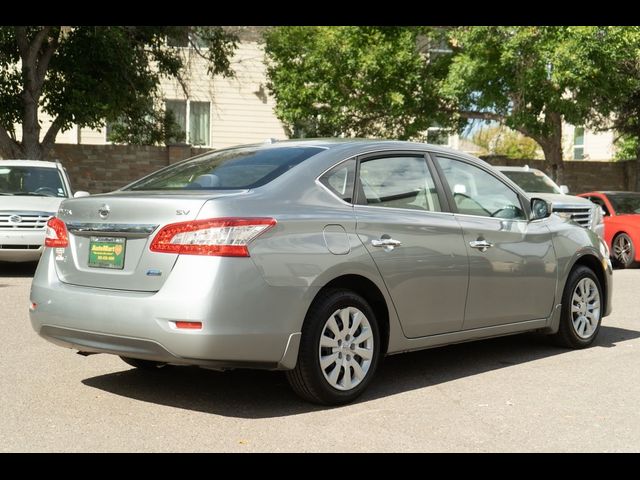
[564,189]
[81,193]
[540,209]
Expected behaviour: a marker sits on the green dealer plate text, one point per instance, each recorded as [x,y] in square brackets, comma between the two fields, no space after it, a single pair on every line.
[107,252]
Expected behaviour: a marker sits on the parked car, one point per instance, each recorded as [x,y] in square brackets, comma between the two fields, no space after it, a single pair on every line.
[621,224]
[536,182]
[30,193]
[315,257]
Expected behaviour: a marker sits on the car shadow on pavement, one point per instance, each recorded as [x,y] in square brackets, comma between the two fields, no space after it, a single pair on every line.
[22,269]
[262,394]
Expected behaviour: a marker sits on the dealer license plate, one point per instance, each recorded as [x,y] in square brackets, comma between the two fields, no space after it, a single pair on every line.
[107,252]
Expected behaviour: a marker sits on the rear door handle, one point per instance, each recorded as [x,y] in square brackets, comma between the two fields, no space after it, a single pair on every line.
[481,245]
[387,243]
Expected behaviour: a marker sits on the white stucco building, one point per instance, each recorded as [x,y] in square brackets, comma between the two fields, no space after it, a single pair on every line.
[214,112]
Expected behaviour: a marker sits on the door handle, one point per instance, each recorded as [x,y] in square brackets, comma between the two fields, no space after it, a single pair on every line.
[481,245]
[387,243]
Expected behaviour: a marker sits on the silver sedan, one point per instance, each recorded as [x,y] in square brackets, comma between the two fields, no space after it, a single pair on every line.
[317,258]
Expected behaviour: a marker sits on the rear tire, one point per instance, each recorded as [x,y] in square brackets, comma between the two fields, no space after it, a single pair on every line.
[582,307]
[623,250]
[143,364]
[339,349]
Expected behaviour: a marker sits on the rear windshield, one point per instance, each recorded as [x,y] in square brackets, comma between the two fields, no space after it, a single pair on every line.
[238,168]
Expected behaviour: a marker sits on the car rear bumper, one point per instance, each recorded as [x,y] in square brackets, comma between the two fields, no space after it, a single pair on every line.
[93,342]
[21,245]
[261,333]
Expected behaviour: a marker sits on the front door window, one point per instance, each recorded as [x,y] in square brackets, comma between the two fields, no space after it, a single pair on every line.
[476,192]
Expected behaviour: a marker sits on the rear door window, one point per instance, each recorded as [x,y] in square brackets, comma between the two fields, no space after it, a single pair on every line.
[340,180]
[398,182]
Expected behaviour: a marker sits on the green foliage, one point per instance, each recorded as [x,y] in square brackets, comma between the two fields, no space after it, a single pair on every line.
[353,81]
[524,74]
[398,81]
[626,147]
[621,100]
[90,75]
[499,140]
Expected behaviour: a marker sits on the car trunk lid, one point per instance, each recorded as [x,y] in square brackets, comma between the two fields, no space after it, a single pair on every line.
[109,238]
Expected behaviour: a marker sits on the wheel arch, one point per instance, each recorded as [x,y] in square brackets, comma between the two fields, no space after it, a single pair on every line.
[566,334]
[371,293]
[595,265]
[613,237]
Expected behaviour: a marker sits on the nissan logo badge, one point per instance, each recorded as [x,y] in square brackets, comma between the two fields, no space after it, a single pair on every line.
[104,211]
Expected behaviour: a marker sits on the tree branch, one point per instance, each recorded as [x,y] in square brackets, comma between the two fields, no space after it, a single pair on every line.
[43,64]
[482,116]
[23,42]
[527,133]
[7,145]
[34,48]
[29,55]
[52,132]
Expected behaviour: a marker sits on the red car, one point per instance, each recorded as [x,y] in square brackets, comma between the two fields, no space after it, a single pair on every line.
[621,224]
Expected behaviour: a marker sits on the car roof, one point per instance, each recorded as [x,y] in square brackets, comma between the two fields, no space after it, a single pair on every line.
[361,144]
[29,163]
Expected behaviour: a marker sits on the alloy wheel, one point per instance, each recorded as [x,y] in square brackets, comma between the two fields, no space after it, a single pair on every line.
[622,249]
[346,348]
[585,308]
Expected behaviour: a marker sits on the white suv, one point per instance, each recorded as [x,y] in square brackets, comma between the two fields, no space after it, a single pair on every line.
[30,192]
[533,181]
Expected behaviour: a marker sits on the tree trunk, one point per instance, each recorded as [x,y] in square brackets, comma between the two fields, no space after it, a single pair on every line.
[31,129]
[553,154]
[35,51]
[552,146]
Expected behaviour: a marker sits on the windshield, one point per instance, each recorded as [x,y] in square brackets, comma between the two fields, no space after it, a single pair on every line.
[625,202]
[533,181]
[237,168]
[37,181]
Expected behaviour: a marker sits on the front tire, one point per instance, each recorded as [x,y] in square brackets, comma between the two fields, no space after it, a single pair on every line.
[624,252]
[582,307]
[339,349]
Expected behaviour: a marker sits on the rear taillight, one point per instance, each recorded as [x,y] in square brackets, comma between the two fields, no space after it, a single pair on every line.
[56,234]
[225,237]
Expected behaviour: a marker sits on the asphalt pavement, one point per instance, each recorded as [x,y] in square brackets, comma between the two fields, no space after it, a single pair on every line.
[511,394]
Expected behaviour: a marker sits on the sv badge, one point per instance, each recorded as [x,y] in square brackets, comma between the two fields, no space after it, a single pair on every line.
[182,212]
